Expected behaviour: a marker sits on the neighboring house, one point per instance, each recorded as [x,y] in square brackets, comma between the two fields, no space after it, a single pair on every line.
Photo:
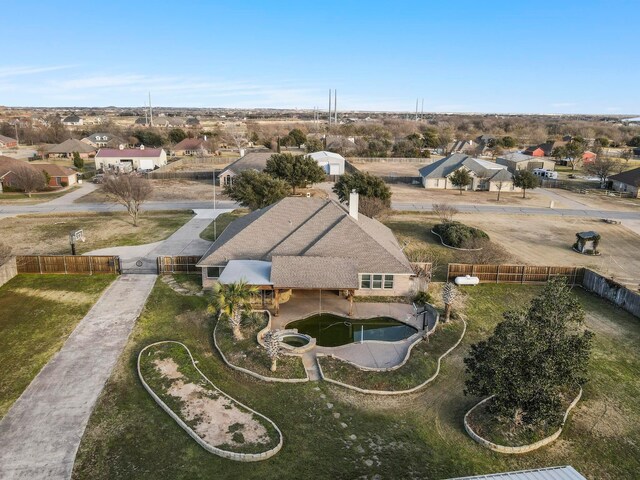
[589,157]
[59,176]
[101,140]
[534,151]
[8,142]
[72,121]
[66,149]
[128,159]
[8,166]
[460,146]
[486,140]
[251,161]
[302,243]
[628,181]
[548,473]
[192,122]
[485,175]
[519,161]
[544,149]
[191,147]
[332,163]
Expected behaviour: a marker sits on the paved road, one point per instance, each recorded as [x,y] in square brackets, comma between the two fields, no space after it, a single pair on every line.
[40,435]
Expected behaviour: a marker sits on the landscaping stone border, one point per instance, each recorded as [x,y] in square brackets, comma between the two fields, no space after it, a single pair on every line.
[398,392]
[522,448]
[240,457]
[418,339]
[455,248]
[250,372]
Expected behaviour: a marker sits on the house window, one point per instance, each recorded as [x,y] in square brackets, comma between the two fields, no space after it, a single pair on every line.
[388,281]
[377,281]
[214,272]
[365,281]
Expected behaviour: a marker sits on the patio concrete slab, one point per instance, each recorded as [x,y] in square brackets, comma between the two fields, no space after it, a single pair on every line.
[41,433]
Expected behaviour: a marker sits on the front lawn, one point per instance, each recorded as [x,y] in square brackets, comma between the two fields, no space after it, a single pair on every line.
[420,366]
[37,314]
[221,223]
[330,432]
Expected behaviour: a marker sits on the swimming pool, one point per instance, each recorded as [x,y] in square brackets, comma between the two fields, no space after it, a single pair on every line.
[333,330]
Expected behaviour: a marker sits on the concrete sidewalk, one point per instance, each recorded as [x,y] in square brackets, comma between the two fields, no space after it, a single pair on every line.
[41,433]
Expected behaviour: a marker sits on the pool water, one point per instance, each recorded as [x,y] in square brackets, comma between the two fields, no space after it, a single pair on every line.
[332,330]
[295,341]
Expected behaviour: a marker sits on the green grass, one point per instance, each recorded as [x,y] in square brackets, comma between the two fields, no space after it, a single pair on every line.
[191,282]
[37,314]
[416,436]
[221,223]
[420,366]
[249,354]
[36,197]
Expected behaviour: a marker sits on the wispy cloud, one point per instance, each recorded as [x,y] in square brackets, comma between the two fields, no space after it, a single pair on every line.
[15,71]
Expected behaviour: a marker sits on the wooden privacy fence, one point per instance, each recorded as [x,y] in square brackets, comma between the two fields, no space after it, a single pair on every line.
[178,264]
[70,264]
[515,273]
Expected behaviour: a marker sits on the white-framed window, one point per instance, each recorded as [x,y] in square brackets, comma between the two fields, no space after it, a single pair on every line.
[376,281]
[214,272]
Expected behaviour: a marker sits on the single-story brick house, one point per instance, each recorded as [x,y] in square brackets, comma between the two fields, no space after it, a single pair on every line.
[66,149]
[191,147]
[251,161]
[519,161]
[127,159]
[8,167]
[304,243]
[59,176]
[8,142]
[628,181]
[485,175]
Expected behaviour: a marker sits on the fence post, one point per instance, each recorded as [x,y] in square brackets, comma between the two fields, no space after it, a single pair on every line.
[498,274]
[39,265]
[64,262]
[548,273]
[90,265]
[522,275]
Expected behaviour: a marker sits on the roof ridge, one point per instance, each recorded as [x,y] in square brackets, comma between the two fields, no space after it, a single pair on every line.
[315,212]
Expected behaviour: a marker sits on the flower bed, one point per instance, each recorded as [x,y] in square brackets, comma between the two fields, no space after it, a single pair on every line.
[219,423]
[250,355]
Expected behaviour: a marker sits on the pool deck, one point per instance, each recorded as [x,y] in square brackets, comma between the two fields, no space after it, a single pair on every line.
[368,354]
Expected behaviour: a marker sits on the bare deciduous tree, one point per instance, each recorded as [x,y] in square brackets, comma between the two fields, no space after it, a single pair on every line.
[444,211]
[28,179]
[602,167]
[372,206]
[129,190]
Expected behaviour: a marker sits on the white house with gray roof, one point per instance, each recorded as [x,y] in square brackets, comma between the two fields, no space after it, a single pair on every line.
[332,163]
[485,175]
[304,243]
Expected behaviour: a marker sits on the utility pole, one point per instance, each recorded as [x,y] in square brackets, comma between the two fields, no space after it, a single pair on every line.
[15,124]
[150,112]
[416,109]
[335,107]
[329,107]
[422,110]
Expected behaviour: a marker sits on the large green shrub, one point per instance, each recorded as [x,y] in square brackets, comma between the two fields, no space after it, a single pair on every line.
[456,234]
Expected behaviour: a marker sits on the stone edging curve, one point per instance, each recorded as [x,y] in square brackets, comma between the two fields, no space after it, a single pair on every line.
[240,457]
[522,448]
[455,248]
[398,392]
[406,357]
[250,372]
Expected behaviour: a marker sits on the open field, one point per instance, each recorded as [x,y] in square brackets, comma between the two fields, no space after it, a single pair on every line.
[547,240]
[49,234]
[37,314]
[167,190]
[418,436]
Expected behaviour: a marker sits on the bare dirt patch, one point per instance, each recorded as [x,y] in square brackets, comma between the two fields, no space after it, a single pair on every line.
[63,296]
[403,193]
[547,240]
[215,418]
[166,190]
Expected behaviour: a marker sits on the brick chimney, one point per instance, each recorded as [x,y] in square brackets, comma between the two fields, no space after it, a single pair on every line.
[353,204]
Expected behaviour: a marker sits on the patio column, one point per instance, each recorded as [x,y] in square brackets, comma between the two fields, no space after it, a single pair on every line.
[350,295]
[276,302]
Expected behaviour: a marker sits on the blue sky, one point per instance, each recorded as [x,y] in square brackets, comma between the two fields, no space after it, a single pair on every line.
[542,56]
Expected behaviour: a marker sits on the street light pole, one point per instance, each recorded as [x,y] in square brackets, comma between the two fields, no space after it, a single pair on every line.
[215,233]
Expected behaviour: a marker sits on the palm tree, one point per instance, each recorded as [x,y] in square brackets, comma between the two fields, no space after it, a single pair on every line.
[231,299]
[449,294]
[272,344]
